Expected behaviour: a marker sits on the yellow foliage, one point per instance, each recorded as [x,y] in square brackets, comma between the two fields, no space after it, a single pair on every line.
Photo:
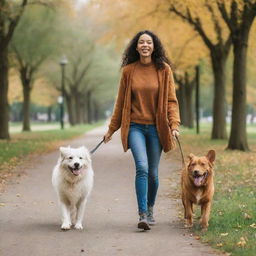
[43,93]
[125,18]
[15,87]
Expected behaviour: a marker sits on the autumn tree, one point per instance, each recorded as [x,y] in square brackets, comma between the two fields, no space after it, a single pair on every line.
[239,18]
[91,68]
[182,42]
[10,13]
[219,46]
[89,80]
[32,44]
[186,84]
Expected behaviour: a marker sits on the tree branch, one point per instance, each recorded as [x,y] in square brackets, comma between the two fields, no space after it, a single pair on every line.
[84,72]
[14,23]
[18,57]
[182,49]
[43,3]
[196,22]
[223,11]
[216,23]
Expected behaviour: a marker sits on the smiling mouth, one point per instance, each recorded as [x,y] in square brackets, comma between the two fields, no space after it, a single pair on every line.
[76,171]
[199,179]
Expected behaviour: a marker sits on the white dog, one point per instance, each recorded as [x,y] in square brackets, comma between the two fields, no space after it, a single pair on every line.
[72,179]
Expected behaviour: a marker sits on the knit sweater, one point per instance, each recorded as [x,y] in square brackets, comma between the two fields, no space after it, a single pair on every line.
[144,94]
[167,116]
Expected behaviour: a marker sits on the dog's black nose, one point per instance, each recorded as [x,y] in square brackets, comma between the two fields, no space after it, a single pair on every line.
[76,165]
[195,172]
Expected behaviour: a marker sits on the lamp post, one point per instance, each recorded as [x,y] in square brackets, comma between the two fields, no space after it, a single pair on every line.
[197,98]
[63,63]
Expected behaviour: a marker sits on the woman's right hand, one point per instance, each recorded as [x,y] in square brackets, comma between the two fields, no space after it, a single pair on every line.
[107,137]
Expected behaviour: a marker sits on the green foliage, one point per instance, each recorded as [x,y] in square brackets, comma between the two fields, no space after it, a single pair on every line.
[35,37]
[95,63]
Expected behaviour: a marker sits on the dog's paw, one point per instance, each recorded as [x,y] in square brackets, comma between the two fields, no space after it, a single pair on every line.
[79,226]
[188,224]
[66,226]
[204,229]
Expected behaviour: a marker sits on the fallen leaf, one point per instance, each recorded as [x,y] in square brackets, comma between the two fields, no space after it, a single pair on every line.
[238,225]
[223,234]
[2,204]
[219,244]
[253,225]
[241,243]
[247,216]
[18,195]
[197,237]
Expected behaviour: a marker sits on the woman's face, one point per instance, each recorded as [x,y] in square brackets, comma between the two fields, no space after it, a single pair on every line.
[145,45]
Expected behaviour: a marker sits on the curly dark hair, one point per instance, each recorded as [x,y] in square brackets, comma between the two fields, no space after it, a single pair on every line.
[159,57]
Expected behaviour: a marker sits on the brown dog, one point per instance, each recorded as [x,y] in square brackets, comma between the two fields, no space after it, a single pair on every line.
[197,187]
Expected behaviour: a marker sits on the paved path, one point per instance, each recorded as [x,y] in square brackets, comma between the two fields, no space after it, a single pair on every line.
[30,217]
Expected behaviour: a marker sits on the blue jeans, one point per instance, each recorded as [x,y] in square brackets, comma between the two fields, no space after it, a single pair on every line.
[146,150]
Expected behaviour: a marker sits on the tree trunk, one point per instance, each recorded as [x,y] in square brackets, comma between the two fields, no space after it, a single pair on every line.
[219,130]
[89,109]
[189,106]
[49,114]
[70,107]
[253,115]
[96,111]
[238,136]
[182,103]
[26,106]
[82,110]
[4,106]
[85,118]
[77,108]
[188,88]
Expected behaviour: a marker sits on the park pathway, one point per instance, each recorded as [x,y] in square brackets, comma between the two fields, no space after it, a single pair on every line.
[30,216]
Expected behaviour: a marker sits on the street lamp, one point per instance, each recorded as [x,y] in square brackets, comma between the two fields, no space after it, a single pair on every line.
[63,63]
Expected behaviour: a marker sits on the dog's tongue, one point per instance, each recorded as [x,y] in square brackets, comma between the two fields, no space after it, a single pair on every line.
[198,180]
[76,172]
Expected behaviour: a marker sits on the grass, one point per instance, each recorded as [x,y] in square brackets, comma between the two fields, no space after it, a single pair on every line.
[25,143]
[232,226]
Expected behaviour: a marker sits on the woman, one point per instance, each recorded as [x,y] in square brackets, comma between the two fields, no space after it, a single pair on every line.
[147,111]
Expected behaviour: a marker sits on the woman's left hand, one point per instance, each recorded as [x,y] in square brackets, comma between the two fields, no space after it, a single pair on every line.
[175,133]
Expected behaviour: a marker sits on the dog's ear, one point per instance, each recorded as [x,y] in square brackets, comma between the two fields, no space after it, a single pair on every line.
[64,151]
[191,156]
[211,155]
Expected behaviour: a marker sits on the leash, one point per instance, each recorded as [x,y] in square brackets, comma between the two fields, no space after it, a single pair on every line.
[93,150]
[181,152]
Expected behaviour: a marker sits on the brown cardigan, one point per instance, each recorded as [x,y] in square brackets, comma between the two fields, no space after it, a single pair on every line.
[167,116]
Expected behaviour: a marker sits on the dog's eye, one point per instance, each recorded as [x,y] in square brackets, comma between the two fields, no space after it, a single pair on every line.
[70,158]
[80,157]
